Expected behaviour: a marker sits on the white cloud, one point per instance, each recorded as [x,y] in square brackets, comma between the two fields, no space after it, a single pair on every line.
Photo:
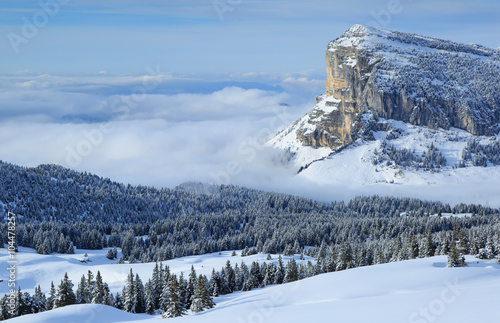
[160,140]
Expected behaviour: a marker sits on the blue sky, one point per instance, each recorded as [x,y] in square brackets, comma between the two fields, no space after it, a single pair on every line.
[218,36]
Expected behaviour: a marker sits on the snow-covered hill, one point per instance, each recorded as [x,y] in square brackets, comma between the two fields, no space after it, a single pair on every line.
[421,290]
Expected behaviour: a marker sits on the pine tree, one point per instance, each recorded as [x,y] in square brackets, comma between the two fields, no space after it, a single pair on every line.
[40,300]
[52,297]
[4,309]
[427,248]
[71,249]
[89,287]
[81,290]
[238,278]
[118,301]
[255,272]
[140,295]
[279,276]
[100,292]
[183,290]
[201,298]
[65,295]
[174,305]
[150,301]
[214,287]
[191,285]
[455,259]
[110,255]
[345,257]
[292,273]
[156,285]
[61,246]
[22,303]
[129,298]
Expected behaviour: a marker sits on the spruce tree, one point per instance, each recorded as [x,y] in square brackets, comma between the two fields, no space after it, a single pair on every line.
[201,299]
[140,295]
[65,295]
[40,300]
[150,301]
[279,276]
[81,290]
[292,272]
[174,305]
[455,258]
[100,292]
[156,286]
[191,285]
[52,296]
[118,301]
[129,298]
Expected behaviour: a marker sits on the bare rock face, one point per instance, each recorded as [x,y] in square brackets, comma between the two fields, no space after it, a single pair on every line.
[416,79]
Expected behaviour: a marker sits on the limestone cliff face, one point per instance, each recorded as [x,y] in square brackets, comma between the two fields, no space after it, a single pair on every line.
[415,79]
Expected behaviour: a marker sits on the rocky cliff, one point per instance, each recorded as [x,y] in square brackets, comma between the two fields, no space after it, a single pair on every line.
[420,80]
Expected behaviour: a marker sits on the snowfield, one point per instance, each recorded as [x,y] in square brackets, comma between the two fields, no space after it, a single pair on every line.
[352,169]
[420,290]
[34,269]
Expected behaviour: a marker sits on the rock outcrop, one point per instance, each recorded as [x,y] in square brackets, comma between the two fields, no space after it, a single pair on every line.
[416,79]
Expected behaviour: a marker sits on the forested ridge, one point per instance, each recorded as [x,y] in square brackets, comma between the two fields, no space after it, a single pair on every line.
[59,209]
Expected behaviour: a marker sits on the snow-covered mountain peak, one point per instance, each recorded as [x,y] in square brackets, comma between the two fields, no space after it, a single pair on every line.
[431,105]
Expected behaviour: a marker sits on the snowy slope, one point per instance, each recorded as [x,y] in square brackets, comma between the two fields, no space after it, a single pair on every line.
[37,269]
[287,140]
[353,169]
[421,290]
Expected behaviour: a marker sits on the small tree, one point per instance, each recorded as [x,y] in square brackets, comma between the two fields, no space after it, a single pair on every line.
[110,255]
[52,297]
[455,259]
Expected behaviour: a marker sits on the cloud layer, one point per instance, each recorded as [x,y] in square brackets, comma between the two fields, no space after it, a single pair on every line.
[135,130]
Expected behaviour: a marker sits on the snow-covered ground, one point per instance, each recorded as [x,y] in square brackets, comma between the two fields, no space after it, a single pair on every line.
[421,290]
[352,169]
[34,269]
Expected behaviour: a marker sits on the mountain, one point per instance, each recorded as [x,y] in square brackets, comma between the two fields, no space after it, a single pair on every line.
[401,108]
[373,74]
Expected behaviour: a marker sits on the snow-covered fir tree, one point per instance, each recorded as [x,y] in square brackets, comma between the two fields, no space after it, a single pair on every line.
[174,307]
[65,294]
[201,299]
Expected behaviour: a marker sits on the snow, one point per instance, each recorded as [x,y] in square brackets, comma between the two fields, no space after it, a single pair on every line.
[353,170]
[420,290]
[351,62]
[458,215]
[287,140]
[327,104]
[34,269]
